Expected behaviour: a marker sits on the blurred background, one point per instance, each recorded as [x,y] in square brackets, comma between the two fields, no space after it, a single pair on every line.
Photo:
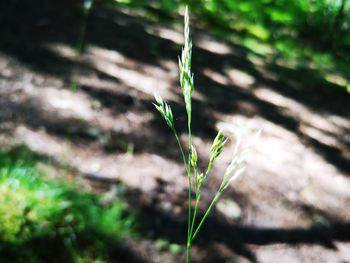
[89,171]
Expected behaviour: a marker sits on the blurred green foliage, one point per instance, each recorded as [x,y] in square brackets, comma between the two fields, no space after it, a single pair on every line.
[312,34]
[47,221]
[165,245]
[322,23]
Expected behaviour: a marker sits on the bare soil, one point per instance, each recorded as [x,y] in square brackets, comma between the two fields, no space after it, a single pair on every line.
[292,204]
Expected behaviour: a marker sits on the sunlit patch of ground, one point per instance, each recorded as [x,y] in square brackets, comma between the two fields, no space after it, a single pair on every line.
[107,128]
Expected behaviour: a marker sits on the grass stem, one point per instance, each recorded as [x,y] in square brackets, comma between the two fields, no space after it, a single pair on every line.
[212,204]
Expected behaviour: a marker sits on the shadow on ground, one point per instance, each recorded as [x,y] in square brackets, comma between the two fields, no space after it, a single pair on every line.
[28,39]
[158,223]
[57,22]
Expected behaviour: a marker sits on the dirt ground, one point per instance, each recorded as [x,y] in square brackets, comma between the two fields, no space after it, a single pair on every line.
[292,204]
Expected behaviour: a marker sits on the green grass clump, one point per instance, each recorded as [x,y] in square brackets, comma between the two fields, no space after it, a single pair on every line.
[48,221]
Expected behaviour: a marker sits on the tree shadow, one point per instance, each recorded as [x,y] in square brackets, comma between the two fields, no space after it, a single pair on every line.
[112,29]
[236,236]
[26,40]
[156,223]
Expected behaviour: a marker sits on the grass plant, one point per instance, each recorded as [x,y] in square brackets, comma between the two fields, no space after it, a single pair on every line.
[45,220]
[197,179]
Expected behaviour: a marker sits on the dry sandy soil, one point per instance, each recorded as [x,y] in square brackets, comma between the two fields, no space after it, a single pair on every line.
[292,204]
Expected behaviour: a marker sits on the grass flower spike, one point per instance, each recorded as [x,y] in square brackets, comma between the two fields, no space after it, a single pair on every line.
[164,110]
[186,76]
[216,149]
[194,157]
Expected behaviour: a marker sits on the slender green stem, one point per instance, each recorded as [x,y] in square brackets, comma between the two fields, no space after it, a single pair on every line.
[189,219]
[82,32]
[180,147]
[195,213]
[189,130]
[195,182]
[208,168]
[198,197]
[212,204]
[188,253]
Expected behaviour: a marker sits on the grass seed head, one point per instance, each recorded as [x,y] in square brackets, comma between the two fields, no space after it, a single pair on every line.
[186,76]
[216,149]
[217,146]
[194,157]
[228,179]
[164,110]
[200,179]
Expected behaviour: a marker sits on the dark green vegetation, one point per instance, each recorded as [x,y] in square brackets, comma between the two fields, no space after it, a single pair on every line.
[323,23]
[43,220]
[297,34]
